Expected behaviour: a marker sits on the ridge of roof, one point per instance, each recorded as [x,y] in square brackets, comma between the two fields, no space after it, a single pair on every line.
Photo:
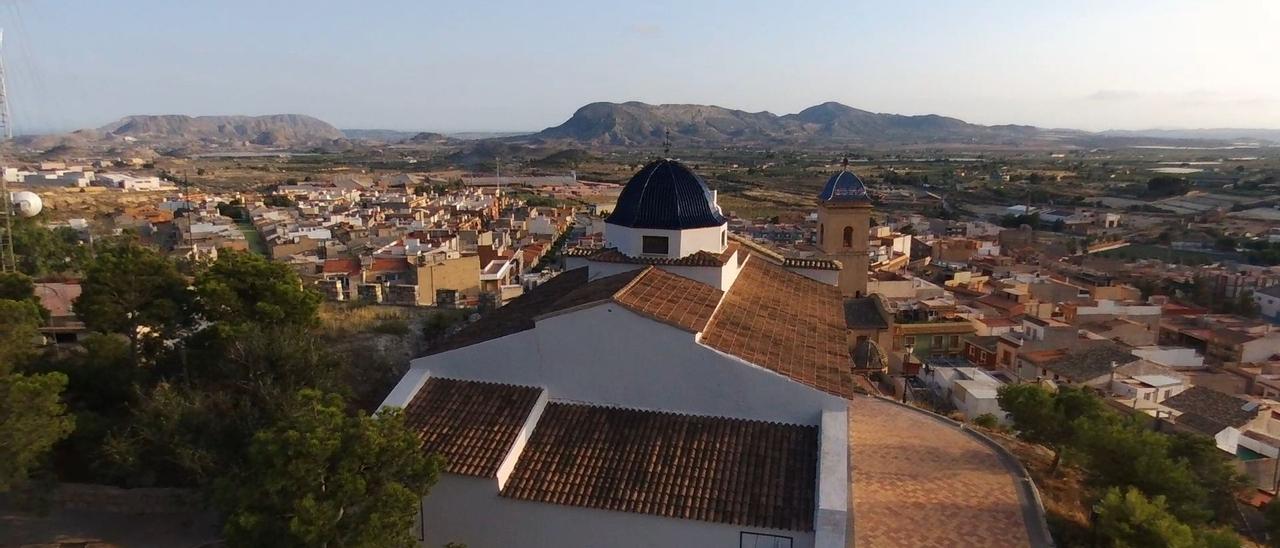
[787,323]
[716,469]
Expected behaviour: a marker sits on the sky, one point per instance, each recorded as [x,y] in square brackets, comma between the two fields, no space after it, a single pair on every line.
[521,66]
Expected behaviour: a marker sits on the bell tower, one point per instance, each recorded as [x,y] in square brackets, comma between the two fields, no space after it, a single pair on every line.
[844,224]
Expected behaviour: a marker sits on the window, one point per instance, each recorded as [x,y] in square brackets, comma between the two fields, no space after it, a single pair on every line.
[761,540]
[848,236]
[937,341]
[724,239]
[822,235]
[654,245]
[955,341]
[910,341]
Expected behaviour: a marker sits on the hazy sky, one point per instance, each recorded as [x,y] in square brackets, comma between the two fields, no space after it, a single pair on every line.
[452,66]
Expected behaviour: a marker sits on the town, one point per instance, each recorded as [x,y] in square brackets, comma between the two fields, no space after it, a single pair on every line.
[633,275]
[959,297]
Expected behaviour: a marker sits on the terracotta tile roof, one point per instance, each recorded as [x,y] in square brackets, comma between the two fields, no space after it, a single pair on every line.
[1210,411]
[389,265]
[790,324]
[814,264]
[671,299]
[748,473]
[58,298]
[341,266]
[516,315]
[472,424]
[1084,361]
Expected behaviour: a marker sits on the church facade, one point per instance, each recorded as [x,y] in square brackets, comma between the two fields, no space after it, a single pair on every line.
[679,387]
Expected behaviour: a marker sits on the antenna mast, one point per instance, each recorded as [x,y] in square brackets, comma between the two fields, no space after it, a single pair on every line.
[8,261]
[4,99]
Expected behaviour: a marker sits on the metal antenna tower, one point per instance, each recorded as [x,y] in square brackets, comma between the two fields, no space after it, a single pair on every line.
[8,261]
[5,119]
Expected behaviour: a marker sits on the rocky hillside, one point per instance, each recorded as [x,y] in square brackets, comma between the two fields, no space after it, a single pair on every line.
[633,123]
[276,130]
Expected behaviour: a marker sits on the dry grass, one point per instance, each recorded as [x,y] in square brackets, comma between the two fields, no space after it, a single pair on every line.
[61,204]
[339,319]
[1064,494]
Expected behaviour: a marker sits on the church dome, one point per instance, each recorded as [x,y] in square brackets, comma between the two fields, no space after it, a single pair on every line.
[666,195]
[844,187]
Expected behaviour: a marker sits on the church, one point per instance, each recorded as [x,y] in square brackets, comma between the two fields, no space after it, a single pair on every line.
[679,387]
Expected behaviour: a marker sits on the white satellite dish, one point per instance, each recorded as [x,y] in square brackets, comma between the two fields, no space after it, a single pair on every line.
[26,203]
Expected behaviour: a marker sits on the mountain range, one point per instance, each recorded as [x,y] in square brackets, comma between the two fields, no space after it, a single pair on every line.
[634,123]
[270,130]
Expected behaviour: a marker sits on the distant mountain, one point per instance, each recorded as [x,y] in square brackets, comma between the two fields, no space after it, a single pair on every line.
[276,130]
[383,135]
[634,123]
[1214,134]
[426,138]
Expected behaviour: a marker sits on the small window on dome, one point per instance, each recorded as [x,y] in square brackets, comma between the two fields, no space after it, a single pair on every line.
[654,245]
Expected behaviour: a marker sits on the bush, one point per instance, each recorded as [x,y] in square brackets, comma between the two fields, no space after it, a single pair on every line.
[392,326]
[986,420]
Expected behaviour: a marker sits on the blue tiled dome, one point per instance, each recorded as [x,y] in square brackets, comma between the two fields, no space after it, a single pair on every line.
[665,195]
[844,187]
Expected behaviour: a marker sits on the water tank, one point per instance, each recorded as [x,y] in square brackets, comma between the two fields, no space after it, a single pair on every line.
[26,203]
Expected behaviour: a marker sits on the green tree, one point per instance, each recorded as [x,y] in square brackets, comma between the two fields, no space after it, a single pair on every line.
[16,286]
[1217,538]
[246,288]
[19,332]
[1271,514]
[278,200]
[1130,520]
[32,420]
[101,392]
[43,252]
[1051,418]
[174,436]
[133,291]
[1122,453]
[321,477]
[1212,469]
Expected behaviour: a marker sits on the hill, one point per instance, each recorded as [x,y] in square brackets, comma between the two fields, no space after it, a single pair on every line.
[634,123]
[380,135]
[276,130]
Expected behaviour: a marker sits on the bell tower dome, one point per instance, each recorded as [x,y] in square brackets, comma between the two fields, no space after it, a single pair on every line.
[844,224]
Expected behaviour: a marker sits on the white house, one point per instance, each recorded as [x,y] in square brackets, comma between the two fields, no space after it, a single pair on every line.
[677,390]
[1177,357]
[1268,301]
[970,390]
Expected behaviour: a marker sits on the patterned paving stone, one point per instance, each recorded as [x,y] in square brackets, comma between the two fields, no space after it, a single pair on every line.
[918,482]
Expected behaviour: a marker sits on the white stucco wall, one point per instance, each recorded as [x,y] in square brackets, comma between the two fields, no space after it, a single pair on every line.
[469,510]
[831,523]
[1261,350]
[1171,356]
[829,277]
[681,243]
[1228,440]
[719,277]
[607,355]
